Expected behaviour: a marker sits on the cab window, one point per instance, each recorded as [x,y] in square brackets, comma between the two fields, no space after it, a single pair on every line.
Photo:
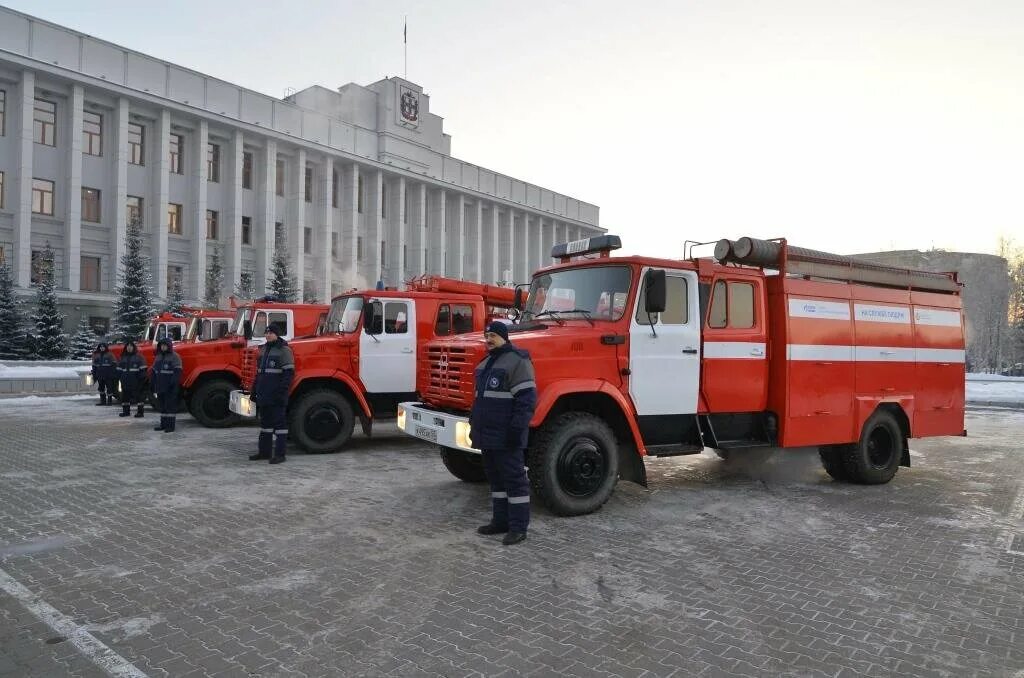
[677,304]
[454,319]
[396,318]
[259,325]
[732,306]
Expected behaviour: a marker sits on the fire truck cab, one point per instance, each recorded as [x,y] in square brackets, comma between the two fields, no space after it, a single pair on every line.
[363,363]
[766,345]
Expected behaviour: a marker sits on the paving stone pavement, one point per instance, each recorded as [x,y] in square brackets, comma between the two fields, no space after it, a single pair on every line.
[186,559]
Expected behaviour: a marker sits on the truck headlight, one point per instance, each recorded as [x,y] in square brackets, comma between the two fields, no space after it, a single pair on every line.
[462,435]
[401,418]
[89,381]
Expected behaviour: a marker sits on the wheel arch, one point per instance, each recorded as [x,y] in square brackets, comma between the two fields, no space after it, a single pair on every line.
[900,415]
[334,381]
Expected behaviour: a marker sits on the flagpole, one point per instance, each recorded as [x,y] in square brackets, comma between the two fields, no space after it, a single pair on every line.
[405,46]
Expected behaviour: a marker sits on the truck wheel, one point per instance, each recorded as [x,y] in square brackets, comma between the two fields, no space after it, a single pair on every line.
[832,461]
[874,459]
[322,421]
[466,466]
[209,404]
[574,464]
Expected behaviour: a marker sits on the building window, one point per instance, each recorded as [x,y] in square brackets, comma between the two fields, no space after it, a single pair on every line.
[334,244]
[359,248]
[1,190]
[44,123]
[211,224]
[246,230]
[307,240]
[309,184]
[280,177]
[278,233]
[334,188]
[90,279]
[136,143]
[42,197]
[174,218]
[3,112]
[213,163]
[383,249]
[405,257]
[246,169]
[90,204]
[359,194]
[133,209]
[175,274]
[99,325]
[177,157]
[383,200]
[92,133]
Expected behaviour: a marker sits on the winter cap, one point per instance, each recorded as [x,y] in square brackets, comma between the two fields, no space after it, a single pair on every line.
[275,328]
[499,328]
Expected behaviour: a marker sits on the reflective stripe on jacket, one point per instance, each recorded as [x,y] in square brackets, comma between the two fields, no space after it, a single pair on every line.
[166,373]
[504,400]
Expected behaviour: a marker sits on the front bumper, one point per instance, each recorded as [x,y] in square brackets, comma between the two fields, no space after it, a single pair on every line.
[441,428]
[241,404]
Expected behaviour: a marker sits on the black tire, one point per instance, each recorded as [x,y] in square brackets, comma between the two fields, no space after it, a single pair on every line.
[321,421]
[466,466]
[209,404]
[832,461]
[875,458]
[573,464]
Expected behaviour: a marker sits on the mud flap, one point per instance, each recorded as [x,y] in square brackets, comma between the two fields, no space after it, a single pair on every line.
[631,465]
[905,456]
[367,425]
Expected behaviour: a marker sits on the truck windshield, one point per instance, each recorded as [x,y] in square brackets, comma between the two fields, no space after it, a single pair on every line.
[238,324]
[151,331]
[596,292]
[194,327]
[344,315]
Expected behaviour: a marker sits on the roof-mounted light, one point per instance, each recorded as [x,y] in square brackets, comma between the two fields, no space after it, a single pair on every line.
[603,244]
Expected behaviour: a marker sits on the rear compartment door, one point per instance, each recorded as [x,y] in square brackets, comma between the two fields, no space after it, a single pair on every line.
[387,357]
[664,361]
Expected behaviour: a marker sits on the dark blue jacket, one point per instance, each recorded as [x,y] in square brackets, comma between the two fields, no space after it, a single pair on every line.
[131,370]
[166,373]
[505,398]
[275,368]
[104,367]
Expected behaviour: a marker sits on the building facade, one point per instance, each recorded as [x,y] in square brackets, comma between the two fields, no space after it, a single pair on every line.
[358,183]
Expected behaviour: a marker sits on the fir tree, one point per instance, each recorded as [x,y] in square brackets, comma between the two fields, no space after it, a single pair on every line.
[309,293]
[283,285]
[134,307]
[175,299]
[84,342]
[245,289]
[50,342]
[214,280]
[14,339]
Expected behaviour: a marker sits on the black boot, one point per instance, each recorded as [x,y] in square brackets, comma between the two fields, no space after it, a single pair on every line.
[160,426]
[259,456]
[513,538]
[491,528]
[138,415]
[280,444]
[103,400]
[276,460]
[169,426]
[126,410]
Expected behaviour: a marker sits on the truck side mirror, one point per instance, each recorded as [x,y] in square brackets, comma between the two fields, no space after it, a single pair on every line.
[518,303]
[247,329]
[372,318]
[656,291]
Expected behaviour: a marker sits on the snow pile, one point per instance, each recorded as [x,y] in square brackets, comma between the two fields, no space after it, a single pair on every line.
[42,371]
[994,389]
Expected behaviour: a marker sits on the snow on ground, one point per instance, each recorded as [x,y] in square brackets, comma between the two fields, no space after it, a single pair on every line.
[69,371]
[994,389]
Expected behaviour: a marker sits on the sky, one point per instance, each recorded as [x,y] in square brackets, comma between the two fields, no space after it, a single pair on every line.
[842,125]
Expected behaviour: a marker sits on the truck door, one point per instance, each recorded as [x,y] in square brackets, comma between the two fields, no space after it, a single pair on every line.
[664,362]
[735,367]
[387,350]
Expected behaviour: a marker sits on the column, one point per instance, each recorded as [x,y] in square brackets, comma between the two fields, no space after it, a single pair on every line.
[23,180]
[118,230]
[297,233]
[233,218]
[397,221]
[264,238]
[435,241]
[477,270]
[456,223]
[201,139]
[540,256]
[350,224]
[525,255]
[418,229]
[158,205]
[374,227]
[507,261]
[73,219]
[325,229]
[492,246]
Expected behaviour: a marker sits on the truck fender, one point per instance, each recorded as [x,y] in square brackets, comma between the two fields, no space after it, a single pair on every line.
[337,375]
[901,406]
[198,371]
[563,387]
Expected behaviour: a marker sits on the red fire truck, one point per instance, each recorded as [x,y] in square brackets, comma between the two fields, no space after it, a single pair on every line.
[364,364]
[764,345]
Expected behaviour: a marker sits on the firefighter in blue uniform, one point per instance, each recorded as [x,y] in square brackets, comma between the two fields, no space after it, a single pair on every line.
[104,373]
[503,404]
[131,370]
[165,378]
[275,368]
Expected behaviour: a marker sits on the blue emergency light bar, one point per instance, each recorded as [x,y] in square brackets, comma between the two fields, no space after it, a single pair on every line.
[601,243]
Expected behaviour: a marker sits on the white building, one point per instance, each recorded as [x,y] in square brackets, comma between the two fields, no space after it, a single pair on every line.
[360,180]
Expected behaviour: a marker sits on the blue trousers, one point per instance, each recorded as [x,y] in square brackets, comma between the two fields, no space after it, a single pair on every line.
[510,488]
[273,430]
[168,404]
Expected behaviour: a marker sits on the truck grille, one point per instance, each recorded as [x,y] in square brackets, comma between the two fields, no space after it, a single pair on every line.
[249,357]
[448,378]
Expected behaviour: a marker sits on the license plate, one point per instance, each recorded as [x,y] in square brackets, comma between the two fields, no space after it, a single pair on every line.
[426,433]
